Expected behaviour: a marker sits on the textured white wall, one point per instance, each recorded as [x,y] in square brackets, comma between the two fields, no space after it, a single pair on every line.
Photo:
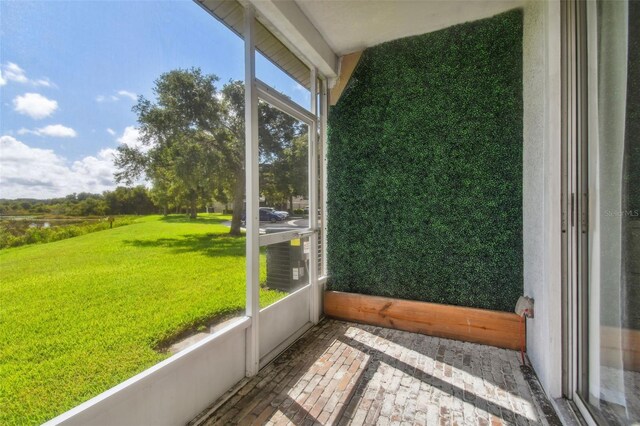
[542,188]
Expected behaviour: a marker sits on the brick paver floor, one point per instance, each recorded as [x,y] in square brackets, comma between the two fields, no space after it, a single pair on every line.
[345,373]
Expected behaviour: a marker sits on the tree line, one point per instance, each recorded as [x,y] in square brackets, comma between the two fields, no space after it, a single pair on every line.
[192,145]
[137,200]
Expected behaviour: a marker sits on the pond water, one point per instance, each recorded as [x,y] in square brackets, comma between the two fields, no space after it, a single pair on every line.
[40,222]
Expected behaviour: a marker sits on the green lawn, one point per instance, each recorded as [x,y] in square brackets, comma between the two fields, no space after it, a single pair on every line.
[81,315]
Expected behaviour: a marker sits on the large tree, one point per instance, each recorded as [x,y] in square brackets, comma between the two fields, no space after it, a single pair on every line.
[276,132]
[192,140]
[182,136]
[286,175]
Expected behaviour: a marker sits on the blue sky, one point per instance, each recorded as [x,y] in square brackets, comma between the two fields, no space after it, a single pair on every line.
[71,71]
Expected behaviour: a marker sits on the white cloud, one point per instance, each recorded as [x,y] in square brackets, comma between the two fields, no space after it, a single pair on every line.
[27,172]
[103,98]
[118,96]
[57,131]
[53,130]
[96,171]
[131,137]
[111,131]
[12,72]
[127,94]
[34,105]
[43,82]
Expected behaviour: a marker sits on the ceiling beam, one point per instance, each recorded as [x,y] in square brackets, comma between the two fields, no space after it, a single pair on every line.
[287,22]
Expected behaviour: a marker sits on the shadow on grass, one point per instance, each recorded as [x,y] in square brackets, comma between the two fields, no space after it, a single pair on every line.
[207,244]
[200,220]
[166,341]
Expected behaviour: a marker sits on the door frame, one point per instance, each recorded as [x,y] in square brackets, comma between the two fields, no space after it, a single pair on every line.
[577,54]
[575,196]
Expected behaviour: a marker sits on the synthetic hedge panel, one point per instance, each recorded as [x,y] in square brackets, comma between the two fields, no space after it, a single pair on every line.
[425,168]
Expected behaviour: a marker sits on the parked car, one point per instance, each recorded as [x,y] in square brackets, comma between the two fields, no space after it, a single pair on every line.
[265,216]
[281,213]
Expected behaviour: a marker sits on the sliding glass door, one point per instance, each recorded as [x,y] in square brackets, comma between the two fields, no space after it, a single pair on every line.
[607,211]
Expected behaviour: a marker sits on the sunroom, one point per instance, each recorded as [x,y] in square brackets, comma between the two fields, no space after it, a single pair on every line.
[461,154]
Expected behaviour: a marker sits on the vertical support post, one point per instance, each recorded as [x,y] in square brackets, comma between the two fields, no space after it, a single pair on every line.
[314,303]
[252,199]
[324,111]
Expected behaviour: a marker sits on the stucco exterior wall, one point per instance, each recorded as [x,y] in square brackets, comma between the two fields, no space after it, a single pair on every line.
[542,189]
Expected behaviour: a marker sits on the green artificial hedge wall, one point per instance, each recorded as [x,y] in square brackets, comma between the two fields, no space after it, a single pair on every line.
[425,168]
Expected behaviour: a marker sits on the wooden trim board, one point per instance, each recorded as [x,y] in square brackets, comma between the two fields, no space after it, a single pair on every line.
[348,64]
[494,328]
[620,348]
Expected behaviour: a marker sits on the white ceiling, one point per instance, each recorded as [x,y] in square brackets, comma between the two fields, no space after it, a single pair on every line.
[353,25]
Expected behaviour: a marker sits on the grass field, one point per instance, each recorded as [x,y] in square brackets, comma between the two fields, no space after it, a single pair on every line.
[81,315]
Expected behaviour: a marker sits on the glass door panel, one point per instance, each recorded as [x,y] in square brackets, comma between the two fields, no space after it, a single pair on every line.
[610,379]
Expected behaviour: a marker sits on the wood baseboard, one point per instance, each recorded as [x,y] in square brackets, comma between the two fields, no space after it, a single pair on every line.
[494,328]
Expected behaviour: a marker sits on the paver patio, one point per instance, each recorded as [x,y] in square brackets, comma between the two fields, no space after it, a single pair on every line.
[345,373]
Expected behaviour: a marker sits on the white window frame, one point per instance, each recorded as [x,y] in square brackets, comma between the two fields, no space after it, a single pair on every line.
[256,90]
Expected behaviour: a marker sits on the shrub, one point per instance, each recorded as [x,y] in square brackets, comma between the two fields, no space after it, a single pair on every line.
[425,168]
[18,233]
